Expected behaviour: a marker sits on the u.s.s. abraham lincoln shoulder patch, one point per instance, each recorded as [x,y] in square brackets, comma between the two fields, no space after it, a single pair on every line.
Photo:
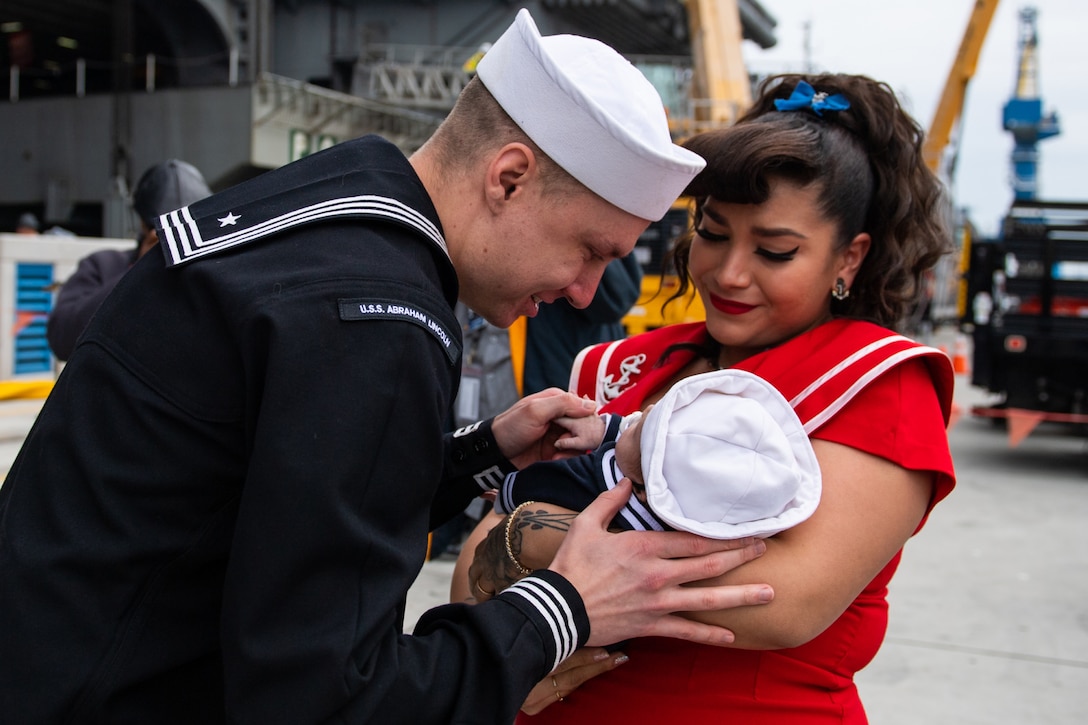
[384,308]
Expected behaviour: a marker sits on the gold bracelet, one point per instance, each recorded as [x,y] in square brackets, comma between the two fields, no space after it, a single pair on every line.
[509,549]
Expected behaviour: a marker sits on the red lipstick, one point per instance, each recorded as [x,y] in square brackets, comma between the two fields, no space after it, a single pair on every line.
[730,307]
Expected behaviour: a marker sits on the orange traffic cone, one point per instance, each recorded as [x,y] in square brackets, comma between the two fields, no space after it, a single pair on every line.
[954,415]
[960,363]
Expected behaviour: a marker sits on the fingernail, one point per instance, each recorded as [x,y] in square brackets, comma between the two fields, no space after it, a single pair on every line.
[760,546]
[588,404]
[765,595]
[620,660]
[601,656]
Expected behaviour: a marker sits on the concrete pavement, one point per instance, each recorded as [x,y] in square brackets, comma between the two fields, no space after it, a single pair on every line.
[989,609]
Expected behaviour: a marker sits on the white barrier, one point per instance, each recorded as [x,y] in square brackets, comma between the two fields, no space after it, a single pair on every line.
[59,255]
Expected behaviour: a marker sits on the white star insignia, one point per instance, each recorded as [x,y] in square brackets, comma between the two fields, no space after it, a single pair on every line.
[229,220]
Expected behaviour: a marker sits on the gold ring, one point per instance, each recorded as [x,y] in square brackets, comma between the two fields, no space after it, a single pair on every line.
[556,686]
[476,585]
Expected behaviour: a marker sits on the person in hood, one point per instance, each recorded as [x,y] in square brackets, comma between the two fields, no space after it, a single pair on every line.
[164,187]
[28,224]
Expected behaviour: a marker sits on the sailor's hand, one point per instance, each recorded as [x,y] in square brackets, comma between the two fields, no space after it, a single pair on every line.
[633,583]
[527,431]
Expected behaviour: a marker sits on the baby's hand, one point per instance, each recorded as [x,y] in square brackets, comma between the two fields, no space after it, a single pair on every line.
[581,434]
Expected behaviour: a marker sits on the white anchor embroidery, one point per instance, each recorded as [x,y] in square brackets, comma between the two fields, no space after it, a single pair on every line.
[628,367]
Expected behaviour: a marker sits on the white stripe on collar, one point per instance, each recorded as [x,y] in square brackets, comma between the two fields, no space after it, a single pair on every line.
[185,242]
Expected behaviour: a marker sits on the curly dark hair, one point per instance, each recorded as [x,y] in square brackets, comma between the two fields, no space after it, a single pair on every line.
[867,163]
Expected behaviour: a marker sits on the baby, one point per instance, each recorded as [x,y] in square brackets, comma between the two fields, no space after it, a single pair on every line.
[722,455]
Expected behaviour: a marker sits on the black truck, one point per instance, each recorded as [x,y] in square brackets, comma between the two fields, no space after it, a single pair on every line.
[1027,312]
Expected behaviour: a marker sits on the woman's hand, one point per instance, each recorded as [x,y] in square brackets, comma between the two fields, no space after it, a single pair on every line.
[576,670]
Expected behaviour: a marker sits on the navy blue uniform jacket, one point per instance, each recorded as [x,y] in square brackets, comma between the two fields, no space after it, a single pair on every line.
[219,511]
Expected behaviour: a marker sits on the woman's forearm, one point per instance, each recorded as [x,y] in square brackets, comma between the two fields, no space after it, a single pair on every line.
[528,542]
[537,533]
[868,509]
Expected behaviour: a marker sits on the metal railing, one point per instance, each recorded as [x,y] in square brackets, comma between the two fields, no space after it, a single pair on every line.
[418,76]
[406,127]
[147,73]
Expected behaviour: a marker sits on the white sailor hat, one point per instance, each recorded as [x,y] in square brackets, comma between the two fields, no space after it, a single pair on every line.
[592,112]
[725,456]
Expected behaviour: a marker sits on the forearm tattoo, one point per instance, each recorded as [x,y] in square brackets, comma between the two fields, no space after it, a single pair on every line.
[531,519]
[493,561]
[505,571]
[539,519]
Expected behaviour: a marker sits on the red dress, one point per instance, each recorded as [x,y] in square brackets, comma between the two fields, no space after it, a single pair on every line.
[885,395]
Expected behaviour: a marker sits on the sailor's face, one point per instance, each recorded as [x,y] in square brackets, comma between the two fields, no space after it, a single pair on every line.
[557,248]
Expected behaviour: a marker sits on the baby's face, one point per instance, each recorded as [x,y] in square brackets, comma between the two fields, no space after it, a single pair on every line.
[629,453]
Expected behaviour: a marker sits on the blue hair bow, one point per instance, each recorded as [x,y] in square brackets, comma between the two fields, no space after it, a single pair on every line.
[804,96]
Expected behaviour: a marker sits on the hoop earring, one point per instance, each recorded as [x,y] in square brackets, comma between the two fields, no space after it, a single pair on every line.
[840,292]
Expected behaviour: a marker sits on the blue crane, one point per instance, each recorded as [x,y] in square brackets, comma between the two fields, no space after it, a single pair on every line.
[1023,114]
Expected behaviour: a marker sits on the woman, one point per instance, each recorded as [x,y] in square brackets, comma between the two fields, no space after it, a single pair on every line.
[815,221]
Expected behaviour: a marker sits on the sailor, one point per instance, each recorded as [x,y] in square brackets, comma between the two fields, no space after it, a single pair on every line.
[227,496]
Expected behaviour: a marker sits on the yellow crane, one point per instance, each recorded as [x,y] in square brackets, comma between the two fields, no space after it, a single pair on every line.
[949,109]
[936,148]
[720,85]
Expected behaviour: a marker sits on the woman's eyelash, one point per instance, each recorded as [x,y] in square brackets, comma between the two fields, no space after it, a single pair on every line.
[765,253]
[777,256]
[711,236]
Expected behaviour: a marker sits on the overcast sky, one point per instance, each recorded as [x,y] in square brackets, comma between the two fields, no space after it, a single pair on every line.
[911,44]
